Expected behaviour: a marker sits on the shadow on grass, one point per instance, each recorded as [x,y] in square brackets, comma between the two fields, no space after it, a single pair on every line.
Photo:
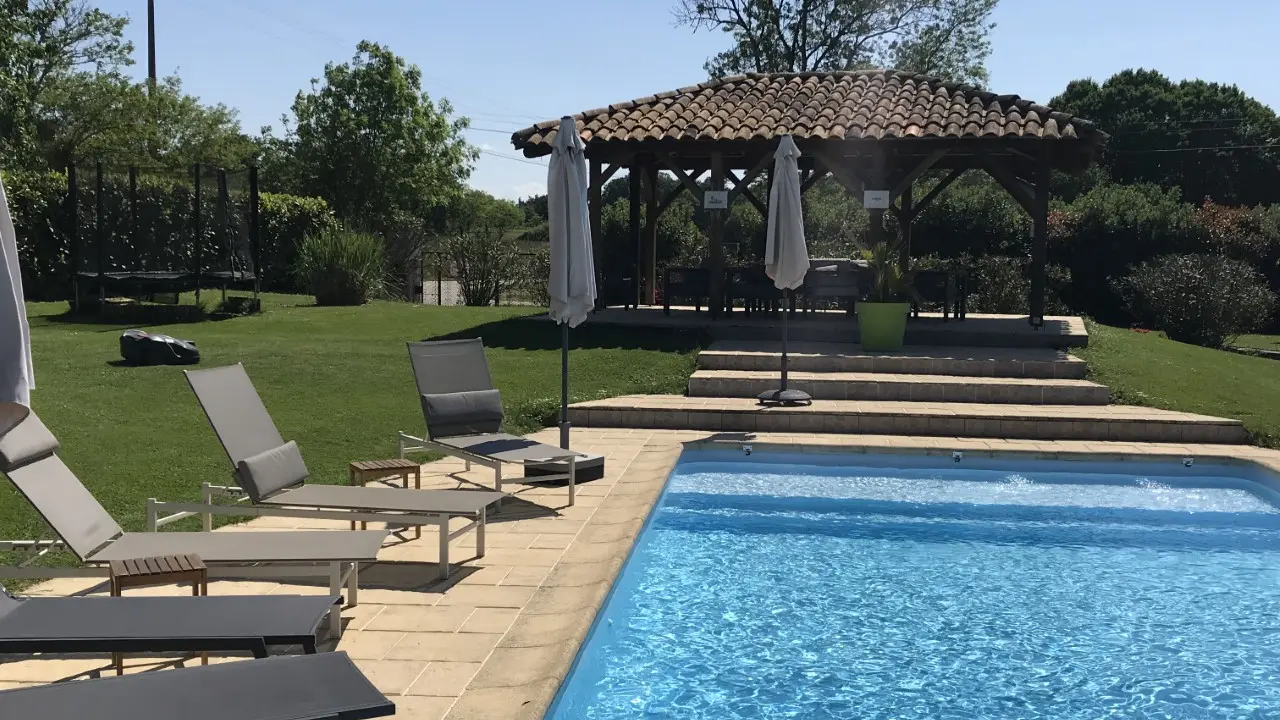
[527,333]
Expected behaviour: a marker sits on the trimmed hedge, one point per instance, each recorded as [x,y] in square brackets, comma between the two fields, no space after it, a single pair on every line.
[163,239]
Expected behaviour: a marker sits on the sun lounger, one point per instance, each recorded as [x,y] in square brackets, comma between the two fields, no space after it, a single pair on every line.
[142,624]
[464,412]
[271,476]
[28,458]
[326,686]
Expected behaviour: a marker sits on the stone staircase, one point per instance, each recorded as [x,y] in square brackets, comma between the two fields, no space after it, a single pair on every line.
[1015,393]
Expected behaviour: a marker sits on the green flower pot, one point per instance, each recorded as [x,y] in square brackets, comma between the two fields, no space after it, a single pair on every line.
[882,326]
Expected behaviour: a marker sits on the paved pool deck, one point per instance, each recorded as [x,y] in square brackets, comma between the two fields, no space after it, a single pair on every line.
[497,638]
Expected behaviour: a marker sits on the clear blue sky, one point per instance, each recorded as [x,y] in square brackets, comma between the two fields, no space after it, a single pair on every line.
[508,63]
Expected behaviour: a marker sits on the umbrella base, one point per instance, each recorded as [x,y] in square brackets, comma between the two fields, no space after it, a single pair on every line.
[589,467]
[784,397]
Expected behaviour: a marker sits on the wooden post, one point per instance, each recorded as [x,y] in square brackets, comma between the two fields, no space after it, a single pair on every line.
[597,237]
[633,225]
[1040,238]
[906,219]
[877,180]
[716,264]
[649,253]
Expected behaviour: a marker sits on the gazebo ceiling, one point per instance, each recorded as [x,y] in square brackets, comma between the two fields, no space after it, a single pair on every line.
[880,105]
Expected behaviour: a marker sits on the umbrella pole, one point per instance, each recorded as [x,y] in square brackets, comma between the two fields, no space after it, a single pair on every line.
[785,322]
[564,340]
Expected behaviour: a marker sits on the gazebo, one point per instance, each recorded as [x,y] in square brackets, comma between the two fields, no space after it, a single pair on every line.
[876,132]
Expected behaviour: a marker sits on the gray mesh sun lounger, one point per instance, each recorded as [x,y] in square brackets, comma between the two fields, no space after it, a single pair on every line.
[271,476]
[143,624]
[28,458]
[326,686]
[464,413]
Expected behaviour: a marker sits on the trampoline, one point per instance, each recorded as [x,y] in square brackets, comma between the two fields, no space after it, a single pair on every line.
[156,257]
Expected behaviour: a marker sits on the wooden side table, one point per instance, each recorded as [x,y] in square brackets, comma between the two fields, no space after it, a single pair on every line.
[361,472]
[164,570]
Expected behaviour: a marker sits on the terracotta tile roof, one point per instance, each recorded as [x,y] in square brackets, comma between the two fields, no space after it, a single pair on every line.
[861,104]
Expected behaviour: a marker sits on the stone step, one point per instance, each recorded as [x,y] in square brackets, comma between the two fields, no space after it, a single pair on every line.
[1031,422]
[925,360]
[917,388]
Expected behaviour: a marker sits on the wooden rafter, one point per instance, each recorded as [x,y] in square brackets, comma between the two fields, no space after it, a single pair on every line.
[608,173]
[681,175]
[675,193]
[741,189]
[831,163]
[935,192]
[813,179]
[916,172]
[743,185]
[1021,191]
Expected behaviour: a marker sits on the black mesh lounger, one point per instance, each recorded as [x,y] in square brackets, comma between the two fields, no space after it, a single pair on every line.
[142,624]
[29,460]
[295,687]
[463,411]
[271,476]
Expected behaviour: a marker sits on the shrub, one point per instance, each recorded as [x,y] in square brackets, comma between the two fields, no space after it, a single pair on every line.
[341,267]
[484,261]
[1202,299]
[999,284]
[286,220]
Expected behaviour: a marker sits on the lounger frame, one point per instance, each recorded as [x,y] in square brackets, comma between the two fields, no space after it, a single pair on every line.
[242,506]
[406,443]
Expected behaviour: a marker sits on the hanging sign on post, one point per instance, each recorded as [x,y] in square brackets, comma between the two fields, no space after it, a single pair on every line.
[715,200]
[875,199]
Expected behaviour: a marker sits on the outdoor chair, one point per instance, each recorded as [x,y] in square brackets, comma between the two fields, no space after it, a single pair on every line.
[943,288]
[97,624]
[271,478]
[326,686]
[685,284]
[28,458]
[463,411]
[753,287]
[838,280]
[616,290]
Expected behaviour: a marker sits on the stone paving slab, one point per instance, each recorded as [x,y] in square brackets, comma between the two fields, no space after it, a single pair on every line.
[497,638]
[887,417]
[921,360]
[902,387]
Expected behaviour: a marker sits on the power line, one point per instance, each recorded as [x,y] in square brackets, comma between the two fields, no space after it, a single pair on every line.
[513,158]
[494,130]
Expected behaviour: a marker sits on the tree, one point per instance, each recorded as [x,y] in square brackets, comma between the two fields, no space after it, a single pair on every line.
[947,38]
[1157,125]
[368,140]
[106,115]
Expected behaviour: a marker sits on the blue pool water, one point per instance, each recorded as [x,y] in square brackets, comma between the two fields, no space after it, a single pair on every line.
[774,587]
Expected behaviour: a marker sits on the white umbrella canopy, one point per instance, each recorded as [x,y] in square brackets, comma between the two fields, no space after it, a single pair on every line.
[572,285]
[17,374]
[786,255]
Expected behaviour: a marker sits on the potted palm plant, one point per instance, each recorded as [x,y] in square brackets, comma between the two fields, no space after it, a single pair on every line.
[882,316]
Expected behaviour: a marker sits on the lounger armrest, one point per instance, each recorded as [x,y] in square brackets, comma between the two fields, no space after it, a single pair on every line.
[25,440]
[270,472]
[473,412]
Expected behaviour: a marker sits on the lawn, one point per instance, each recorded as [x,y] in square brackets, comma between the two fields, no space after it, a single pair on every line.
[1259,342]
[336,380]
[1149,369]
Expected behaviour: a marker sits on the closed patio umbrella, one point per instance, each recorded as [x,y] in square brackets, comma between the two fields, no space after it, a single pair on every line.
[572,285]
[17,377]
[786,256]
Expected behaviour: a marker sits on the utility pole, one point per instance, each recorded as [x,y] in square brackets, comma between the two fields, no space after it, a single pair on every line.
[151,46]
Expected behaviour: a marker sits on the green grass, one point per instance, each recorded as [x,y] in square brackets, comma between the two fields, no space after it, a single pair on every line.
[1149,369]
[1259,342]
[336,380]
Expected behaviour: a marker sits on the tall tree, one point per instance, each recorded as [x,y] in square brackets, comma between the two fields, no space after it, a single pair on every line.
[368,140]
[106,115]
[68,35]
[947,38]
[1210,140]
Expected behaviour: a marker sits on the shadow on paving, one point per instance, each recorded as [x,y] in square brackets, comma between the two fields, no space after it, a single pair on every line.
[535,334]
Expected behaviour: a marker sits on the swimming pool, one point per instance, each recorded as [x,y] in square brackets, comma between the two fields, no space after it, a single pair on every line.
[861,586]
